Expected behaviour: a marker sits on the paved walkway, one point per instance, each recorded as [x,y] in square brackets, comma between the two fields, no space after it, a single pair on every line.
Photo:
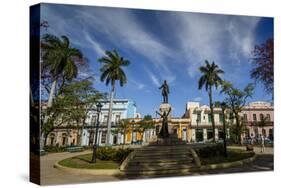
[51,175]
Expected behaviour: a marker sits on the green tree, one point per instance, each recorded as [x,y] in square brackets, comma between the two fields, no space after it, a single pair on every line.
[122,128]
[59,60]
[236,100]
[71,107]
[263,60]
[210,77]
[145,124]
[111,72]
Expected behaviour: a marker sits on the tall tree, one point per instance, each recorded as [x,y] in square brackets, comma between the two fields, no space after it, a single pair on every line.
[59,60]
[263,60]
[236,100]
[111,72]
[210,77]
[71,107]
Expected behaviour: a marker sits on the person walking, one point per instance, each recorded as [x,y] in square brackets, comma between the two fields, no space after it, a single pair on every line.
[262,144]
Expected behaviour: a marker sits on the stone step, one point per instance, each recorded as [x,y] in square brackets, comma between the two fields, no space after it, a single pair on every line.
[164,147]
[159,167]
[160,162]
[167,160]
[164,150]
[162,171]
[163,153]
[163,157]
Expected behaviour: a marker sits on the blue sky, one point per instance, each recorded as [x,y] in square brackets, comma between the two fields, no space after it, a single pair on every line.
[162,45]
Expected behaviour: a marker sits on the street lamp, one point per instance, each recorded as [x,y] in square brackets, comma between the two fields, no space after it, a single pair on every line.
[94,157]
[133,124]
[197,122]
[223,107]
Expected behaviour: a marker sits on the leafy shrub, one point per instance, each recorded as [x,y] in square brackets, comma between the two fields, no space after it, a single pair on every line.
[108,153]
[121,154]
[54,149]
[210,151]
[105,153]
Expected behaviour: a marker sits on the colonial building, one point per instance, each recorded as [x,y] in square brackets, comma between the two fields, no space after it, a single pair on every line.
[194,126]
[121,109]
[200,129]
[259,119]
[67,135]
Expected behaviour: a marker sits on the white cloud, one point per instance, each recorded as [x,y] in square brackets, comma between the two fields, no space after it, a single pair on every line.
[197,99]
[126,32]
[94,44]
[205,36]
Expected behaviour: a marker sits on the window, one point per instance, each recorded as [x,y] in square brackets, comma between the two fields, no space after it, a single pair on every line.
[105,118]
[220,117]
[117,118]
[245,118]
[94,119]
[209,118]
[268,117]
[261,117]
[198,117]
[255,117]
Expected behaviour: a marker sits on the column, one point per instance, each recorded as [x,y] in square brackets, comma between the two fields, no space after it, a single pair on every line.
[216,134]
[205,137]
[193,135]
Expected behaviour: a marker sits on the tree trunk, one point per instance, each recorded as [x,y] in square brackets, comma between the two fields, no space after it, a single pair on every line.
[110,115]
[212,113]
[49,104]
[52,93]
[238,128]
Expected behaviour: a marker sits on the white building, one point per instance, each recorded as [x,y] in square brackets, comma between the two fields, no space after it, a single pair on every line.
[201,124]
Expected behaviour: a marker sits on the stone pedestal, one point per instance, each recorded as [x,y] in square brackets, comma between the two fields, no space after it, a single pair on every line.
[164,107]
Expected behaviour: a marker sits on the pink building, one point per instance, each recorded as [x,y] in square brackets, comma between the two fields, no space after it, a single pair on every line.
[259,118]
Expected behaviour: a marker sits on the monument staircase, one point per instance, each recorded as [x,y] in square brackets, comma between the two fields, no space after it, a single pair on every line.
[169,156]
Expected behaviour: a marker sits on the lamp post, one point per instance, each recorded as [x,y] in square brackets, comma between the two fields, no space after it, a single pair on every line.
[223,107]
[196,133]
[133,124]
[94,157]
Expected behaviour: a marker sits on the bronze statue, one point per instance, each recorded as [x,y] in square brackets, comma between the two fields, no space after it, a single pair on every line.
[165,91]
[164,133]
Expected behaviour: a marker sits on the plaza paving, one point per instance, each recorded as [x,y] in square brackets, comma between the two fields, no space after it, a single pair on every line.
[51,175]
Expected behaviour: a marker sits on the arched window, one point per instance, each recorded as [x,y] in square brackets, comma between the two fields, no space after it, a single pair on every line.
[52,139]
[64,136]
[261,117]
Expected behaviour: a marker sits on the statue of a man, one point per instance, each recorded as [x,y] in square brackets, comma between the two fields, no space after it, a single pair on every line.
[165,91]
[164,133]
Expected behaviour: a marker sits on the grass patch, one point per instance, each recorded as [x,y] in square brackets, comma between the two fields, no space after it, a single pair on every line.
[233,155]
[83,161]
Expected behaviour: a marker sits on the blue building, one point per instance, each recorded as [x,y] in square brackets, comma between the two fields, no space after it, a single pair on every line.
[121,109]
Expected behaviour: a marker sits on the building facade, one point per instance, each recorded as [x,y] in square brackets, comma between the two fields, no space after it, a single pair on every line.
[68,135]
[200,129]
[194,126]
[121,109]
[259,119]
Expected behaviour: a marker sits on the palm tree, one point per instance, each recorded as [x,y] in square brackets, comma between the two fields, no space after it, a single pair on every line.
[59,59]
[111,72]
[210,77]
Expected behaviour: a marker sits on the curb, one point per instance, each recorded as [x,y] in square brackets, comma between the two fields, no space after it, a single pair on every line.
[127,160]
[226,165]
[195,157]
[79,171]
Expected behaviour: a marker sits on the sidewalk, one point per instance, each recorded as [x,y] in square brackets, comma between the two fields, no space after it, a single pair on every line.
[51,175]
